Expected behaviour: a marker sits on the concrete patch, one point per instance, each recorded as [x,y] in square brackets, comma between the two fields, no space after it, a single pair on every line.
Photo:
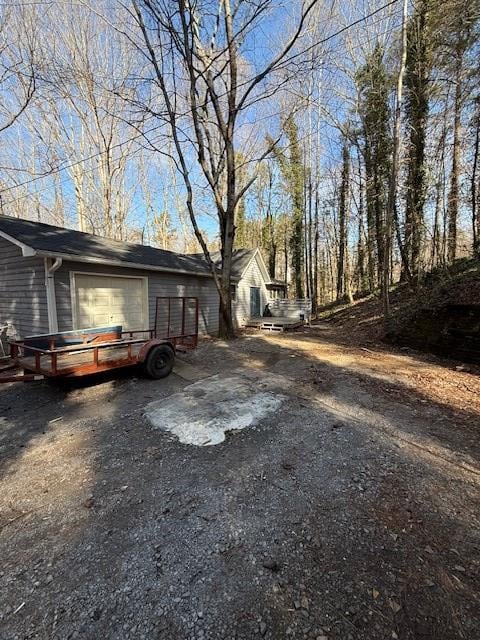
[203,412]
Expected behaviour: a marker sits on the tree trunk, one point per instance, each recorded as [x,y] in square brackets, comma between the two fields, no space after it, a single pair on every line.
[435,249]
[392,192]
[361,274]
[362,283]
[453,196]
[417,83]
[315,258]
[474,189]
[272,260]
[343,224]
[371,217]
[226,329]
[348,280]
[271,232]
[307,201]
[310,228]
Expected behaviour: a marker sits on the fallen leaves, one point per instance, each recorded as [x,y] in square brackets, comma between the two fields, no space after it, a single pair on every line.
[394,605]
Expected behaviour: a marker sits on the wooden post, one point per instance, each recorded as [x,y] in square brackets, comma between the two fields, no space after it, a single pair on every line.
[53,358]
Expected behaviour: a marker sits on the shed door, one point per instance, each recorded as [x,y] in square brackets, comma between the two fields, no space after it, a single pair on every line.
[255,302]
[107,300]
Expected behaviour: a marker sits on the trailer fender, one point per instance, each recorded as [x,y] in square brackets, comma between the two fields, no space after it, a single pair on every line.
[145,350]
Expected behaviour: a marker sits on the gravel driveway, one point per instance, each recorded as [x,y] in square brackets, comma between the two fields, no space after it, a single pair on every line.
[347,510]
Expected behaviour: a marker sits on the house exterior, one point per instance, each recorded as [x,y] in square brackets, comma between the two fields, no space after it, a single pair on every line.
[55,279]
[252,287]
[253,290]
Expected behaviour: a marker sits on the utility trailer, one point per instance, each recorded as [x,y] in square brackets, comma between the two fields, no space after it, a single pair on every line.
[84,352]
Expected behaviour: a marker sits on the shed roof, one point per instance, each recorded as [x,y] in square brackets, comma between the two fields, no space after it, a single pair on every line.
[48,240]
[274,282]
[240,260]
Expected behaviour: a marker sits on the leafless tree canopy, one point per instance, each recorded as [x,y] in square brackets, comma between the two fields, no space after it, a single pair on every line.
[342,138]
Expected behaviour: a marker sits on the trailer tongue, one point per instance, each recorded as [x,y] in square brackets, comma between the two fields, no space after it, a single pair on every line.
[88,351]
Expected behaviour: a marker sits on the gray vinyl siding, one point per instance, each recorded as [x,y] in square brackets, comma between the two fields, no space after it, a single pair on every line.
[159,284]
[252,278]
[23,297]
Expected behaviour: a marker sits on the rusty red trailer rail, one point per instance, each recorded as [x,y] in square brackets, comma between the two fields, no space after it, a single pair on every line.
[111,349]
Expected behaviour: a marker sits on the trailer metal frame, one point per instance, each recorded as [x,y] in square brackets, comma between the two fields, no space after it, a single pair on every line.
[107,350]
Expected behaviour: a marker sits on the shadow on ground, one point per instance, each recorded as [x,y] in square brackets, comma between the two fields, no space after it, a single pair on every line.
[352,512]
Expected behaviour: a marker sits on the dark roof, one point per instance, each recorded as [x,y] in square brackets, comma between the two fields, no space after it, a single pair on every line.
[45,238]
[240,260]
[274,282]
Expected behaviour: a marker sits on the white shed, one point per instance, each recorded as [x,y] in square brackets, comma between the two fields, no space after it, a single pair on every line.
[253,288]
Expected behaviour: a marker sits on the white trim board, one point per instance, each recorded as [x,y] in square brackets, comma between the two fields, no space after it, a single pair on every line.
[26,250]
[257,255]
[119,263]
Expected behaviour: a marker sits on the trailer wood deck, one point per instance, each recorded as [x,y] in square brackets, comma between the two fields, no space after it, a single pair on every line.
[86,351]
[108,356]
[274,324]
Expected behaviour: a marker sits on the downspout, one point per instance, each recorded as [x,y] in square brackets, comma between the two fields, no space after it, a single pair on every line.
[50,269]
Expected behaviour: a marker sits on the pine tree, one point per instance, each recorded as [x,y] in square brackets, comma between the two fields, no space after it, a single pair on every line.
[342,268]
[374,86]
[241,231]
[241,240]
[417,84]
[293,172]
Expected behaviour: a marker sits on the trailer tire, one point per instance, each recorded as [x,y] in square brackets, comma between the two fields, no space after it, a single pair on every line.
[159,361]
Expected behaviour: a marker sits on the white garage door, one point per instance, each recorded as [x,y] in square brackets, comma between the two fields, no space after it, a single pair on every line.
[106,300]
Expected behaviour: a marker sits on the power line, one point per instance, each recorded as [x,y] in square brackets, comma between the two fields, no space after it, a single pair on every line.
[82,160]
[42,189]
[143,134]
[340,31]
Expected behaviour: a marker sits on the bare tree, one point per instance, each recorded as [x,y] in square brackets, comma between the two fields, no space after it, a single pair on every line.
[197,48]
[18,43]
[88,78]
[461,18]
[78,129]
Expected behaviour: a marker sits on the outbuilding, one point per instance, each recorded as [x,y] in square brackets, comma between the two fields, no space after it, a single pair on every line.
[56,279]
[253,291]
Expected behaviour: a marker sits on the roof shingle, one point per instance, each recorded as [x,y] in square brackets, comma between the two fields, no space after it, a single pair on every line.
[240,260]
[46,238]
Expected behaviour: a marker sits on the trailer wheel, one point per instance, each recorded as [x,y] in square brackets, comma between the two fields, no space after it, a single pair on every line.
[159,361]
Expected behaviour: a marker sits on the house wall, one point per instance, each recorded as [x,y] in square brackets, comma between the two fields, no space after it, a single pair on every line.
[23,297]
[252,278]
[159,284]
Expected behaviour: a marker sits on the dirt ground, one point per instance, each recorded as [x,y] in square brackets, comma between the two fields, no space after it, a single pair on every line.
[349,511]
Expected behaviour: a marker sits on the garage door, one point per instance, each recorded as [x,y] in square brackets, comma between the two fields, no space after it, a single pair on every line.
[105,300]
